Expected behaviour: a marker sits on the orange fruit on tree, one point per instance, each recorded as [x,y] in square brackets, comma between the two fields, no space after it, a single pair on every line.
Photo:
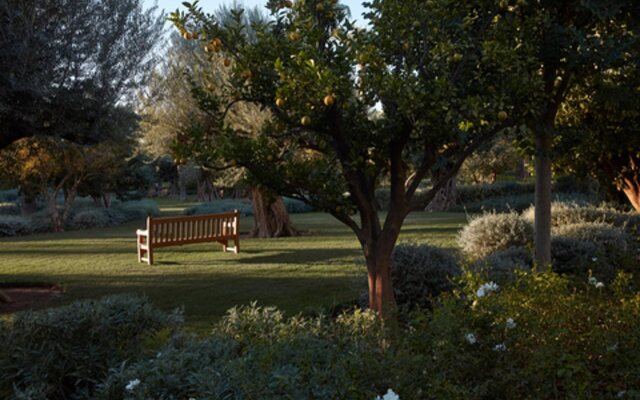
[328,100]
[306,120]
[280,102]
[502,115]
[226,62]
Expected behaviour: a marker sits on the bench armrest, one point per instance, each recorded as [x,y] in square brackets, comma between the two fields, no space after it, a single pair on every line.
[142,232]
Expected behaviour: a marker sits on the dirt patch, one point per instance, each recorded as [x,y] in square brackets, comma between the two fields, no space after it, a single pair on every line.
[29,296]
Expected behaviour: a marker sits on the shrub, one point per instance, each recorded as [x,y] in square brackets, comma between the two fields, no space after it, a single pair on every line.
[490,232]
[295,206]
[421,272]
[85,219]
[565,213]
[256,353]
[138,209]
[503,265]
[518,202]
[474,193]
[12,225]
[9,196]
[571,255]
[62,353]
[40,222]
[9,209]
[221,206]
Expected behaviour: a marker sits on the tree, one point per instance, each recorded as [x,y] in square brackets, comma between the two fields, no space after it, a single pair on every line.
[64,66]
[499,156]
[53,168]
[417,92]
[569,42]
[172,119]
[599,130]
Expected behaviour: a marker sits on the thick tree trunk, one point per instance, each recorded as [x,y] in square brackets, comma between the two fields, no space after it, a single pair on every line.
[445,198]
[381,297]
[543,196]
[631,189]
[270,216]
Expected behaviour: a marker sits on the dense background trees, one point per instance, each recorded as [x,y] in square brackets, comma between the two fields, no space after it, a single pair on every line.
[65,66]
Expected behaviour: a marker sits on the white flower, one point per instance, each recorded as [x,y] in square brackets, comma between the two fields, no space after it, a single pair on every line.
[390,395]
[510,323]
[594,259]
[593,280]
[486,288]
[500,347]
[599,285]
[471,338]
[132,384]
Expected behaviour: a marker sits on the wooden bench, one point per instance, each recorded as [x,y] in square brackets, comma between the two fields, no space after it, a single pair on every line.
[175,231]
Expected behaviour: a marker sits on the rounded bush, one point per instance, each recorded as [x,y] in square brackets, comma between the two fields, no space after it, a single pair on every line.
[491,232]
[574,256]
[12,225]
[421,272]
[502,265]
[9,209]
[86,219]
[138,209]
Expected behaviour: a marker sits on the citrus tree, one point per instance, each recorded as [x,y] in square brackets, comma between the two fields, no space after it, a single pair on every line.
[411,95]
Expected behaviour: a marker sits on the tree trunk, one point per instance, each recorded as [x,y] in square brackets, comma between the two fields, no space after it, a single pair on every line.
[542,223]
[381,297]
[29,205]
[631,189]
[522,172]
[446,197]
[182,182]
[4,298]
[270,216]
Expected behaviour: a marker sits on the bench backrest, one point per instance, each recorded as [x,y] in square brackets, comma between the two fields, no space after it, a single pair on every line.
[192,229]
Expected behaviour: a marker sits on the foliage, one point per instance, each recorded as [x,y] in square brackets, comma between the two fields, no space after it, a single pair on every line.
[62,353]
[86,219]
[9,196]
[138,209]
[472,345]
[495,158]
[422,272]
[51,85]
[502,266]
[12,225]
[320,78]
[9,209]
[245,207]
[491,232]
[520,202]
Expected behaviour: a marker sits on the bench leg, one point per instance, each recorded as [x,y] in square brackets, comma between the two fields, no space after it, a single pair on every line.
[225,244]
[236,241]
[150,256]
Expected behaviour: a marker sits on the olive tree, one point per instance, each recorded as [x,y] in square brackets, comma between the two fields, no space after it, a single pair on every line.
[65,65]
[412,95]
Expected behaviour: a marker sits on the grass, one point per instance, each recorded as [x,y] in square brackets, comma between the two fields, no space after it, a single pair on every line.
[309,273]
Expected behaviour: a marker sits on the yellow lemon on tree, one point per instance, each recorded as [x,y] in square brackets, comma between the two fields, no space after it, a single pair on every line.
[280,102]
[306,120]
[502,116]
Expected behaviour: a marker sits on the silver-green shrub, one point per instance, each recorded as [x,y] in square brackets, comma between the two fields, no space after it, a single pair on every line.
[491,232]
[13,225]
[502,265]
[9,208]
[63,352]
[89,218]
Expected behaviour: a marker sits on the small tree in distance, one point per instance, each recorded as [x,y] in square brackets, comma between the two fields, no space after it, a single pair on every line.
[419,91]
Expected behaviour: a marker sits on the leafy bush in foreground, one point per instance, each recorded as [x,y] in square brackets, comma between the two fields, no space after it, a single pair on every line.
[537,337]
[9,208]
[63,352]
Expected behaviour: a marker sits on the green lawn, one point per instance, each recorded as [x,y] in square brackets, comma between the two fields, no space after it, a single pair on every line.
[319,269]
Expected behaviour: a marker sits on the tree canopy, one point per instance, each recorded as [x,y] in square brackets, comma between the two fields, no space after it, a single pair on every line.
[417,92]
